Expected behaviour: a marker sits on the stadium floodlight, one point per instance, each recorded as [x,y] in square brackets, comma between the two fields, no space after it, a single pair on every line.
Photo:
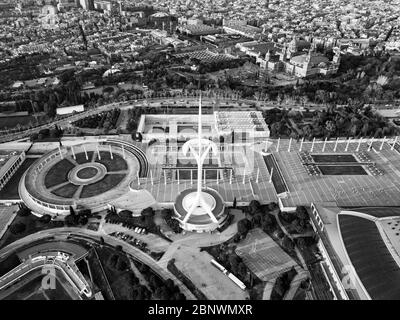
[73,152]
[370,144]
[347,145]
[111,154]
[323,147]
[301,144]
[98,151]
[359,144]
[336,143]
[383,142]
[84,149]
[394,143]
[123,150]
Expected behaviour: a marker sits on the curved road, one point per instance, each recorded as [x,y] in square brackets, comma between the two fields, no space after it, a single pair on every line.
[93,235]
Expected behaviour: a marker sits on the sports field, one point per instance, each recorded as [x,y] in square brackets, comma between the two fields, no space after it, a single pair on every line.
[338,170]
[331,158]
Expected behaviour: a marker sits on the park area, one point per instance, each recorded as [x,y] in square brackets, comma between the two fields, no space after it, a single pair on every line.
[59,182]
[263,256]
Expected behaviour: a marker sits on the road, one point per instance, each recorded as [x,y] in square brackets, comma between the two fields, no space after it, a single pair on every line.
[153,102]
[90,235]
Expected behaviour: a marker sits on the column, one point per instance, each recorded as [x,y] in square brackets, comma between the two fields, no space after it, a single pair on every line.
[312,145]
[73,152]
[323,147]
[98,151]
[84,149]
[394,143]
[347,145]
[336,143]
[277,145]
[61,155]
[111,154]
[383,142]
[359,144]
[370,144]
[290,143]
[301,144]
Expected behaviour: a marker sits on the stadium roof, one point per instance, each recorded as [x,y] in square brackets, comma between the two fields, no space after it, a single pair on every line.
[372,260]
[379,212]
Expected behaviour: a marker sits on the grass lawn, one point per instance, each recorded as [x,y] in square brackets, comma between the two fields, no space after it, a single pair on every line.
[333,158]
[107,183]
[87,173]
[32,224]
[81,157]
[66,191]
[10,190]
[116,164]
[58,173]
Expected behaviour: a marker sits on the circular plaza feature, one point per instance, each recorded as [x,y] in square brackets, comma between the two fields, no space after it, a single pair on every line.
[199,220]
[89,175]
[189,199]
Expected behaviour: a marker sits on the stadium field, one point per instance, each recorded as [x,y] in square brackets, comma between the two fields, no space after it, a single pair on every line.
[341,170]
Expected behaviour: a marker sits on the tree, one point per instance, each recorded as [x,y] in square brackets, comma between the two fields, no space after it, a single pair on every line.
[121,265]
[148,212]
[287,243]
[166,213]
[24,211]
[18,228]
[125,214]
[301,243]
[45,218]
[70,220]
[243,226]
[301,212]
[82,220]
[254,206]
[33,137]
